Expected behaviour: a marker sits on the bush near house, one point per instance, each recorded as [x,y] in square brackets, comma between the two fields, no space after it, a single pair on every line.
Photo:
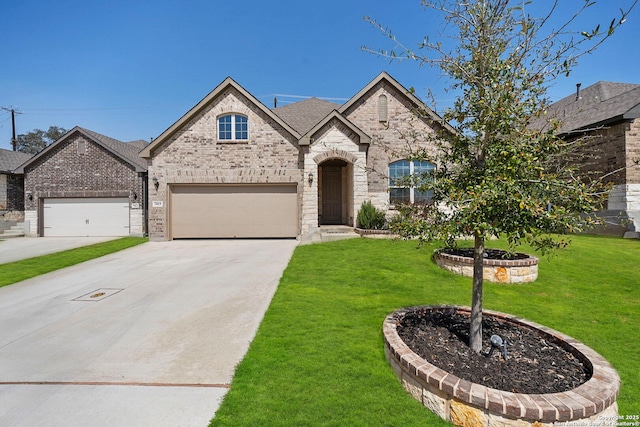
[371,218]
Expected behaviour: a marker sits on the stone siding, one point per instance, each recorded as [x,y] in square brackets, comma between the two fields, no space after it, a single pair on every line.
[64,172]
[335,141]
[193,155]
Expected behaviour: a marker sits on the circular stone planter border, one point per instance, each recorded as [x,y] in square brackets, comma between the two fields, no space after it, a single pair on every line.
[469,404]
[495,270]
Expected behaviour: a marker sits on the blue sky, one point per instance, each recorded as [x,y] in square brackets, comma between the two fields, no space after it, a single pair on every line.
[130,68]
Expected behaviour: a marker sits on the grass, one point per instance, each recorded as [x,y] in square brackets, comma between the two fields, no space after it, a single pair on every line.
[317,358]
[17,271]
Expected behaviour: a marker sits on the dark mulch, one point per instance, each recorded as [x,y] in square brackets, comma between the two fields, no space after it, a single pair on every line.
[534,365]
[488,253]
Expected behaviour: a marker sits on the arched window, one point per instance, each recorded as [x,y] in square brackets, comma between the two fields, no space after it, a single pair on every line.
[402,191]
[233,127]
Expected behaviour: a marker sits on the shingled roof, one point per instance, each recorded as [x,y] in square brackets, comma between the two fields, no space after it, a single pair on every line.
[304,115]
[129,151]
[599,104]
[10,160]
[126,151]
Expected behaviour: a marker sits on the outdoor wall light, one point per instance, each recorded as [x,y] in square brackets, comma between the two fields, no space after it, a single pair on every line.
[135,195]
[155,182]
[29,195]
[498,343]
[310,178]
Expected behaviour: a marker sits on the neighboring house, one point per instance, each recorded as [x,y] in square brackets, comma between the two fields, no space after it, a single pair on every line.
[86,184]
[232,167]
[11,185]
[609,114]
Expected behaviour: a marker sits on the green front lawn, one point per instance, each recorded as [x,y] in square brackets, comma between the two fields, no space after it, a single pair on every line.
[318,358]
[17,271]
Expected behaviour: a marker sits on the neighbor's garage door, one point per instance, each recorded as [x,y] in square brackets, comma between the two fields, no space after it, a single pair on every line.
[86,217]
[227,211]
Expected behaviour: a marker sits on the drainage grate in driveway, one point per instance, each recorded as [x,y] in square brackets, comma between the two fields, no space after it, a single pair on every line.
[97,295]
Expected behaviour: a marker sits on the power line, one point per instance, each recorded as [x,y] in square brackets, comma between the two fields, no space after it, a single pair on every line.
[326,98]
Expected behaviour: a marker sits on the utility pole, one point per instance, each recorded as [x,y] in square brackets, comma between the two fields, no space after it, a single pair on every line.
[13,129]
[13,125]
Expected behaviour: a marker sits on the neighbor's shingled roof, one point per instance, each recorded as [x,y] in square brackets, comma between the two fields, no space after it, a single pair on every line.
[129,151]
[10,160]
[597,105]
[126,151]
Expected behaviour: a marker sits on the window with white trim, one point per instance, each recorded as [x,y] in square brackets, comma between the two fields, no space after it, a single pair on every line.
[233,127]
[399,173]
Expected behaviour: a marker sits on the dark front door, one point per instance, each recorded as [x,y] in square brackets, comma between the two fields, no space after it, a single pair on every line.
[331,195]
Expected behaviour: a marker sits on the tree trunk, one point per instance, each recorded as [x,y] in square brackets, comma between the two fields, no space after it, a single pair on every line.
[475,333]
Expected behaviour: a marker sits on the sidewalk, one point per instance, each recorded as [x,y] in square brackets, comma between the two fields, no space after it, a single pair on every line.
[20,248]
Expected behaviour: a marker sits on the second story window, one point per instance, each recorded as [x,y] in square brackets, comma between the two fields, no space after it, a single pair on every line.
[233,127]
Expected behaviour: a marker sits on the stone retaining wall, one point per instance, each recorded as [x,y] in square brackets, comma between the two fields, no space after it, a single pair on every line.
[468,404]
[494,270]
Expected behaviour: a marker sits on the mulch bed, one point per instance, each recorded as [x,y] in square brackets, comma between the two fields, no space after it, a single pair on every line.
[488,253]
[533,366]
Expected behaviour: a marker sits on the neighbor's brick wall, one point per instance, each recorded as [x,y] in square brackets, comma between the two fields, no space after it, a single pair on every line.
[11,193]
[3,192]
[633,152]
[194,155]
[389,140]
[63,172]
[605,152]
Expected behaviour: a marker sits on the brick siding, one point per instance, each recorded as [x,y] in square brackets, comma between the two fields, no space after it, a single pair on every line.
[63,172]
[195,156]
[392,140]
[11,193]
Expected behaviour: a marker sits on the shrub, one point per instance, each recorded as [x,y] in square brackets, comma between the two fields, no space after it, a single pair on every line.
[370,217]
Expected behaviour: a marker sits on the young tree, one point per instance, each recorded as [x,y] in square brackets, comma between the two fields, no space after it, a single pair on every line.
[35,141]
[498,175]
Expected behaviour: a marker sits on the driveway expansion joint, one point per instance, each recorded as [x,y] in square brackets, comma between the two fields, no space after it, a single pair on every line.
[105,383]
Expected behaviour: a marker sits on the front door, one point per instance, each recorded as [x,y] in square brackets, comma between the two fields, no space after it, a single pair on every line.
[331,195]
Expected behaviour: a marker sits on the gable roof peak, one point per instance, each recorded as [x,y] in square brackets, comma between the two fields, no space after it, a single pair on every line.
[408,94]
[127,152]
[147,152]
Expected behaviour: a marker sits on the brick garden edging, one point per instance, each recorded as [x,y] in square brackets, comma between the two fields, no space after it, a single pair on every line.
[495,270]
[468,404]
[375,234]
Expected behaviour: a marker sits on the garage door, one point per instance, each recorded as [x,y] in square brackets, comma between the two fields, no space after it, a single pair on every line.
[228,211]
[86,217]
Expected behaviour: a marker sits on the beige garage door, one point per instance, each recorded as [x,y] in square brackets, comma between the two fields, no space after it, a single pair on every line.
[228,211]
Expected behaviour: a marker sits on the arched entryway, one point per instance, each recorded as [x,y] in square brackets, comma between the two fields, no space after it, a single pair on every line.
[335,193]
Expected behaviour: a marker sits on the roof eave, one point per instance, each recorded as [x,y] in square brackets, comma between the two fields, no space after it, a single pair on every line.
[595,126]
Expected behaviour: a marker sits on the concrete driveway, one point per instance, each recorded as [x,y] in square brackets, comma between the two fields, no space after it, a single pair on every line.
[146,336]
